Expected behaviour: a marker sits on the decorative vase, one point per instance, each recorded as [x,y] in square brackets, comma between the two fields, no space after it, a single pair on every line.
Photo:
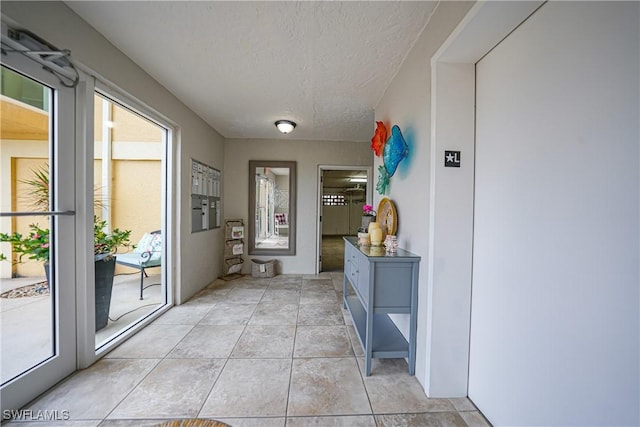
[363,239]
[391,243]
[366,220]
[375,234]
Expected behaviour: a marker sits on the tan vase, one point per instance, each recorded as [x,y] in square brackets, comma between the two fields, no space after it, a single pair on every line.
[375,234]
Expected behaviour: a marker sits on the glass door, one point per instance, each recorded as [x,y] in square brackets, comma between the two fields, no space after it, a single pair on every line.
[129,177]
[37,232]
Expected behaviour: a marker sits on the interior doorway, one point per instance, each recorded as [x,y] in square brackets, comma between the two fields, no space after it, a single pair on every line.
[343,191]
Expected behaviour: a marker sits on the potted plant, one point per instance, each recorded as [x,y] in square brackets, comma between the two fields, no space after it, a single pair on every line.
[368,215]
[35,245]
[105,246]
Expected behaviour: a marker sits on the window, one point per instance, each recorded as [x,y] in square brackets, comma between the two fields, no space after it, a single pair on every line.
[333,200]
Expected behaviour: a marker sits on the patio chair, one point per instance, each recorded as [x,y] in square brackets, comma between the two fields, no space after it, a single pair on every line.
[147,254]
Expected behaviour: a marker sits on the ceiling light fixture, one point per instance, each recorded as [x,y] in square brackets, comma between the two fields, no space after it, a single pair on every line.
[358,179]
[285,126]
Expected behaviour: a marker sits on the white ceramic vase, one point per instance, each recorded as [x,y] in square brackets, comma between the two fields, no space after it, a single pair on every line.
[391,243]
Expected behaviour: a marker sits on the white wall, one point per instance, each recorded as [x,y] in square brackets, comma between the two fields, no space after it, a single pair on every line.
[54,21]
[555,314]
[450,237]
[308,155]
[406,103]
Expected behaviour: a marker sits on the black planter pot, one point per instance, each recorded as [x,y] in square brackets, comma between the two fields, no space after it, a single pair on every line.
[105,267]
[47,273]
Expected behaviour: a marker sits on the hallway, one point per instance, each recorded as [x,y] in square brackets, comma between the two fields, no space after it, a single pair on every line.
[332,253]
[252,352]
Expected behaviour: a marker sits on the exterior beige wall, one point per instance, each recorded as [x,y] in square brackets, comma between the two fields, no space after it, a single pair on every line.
[131,127]
[23,170]
[128,126]
[136,198]
[135,201]
[24,147]
[22,121]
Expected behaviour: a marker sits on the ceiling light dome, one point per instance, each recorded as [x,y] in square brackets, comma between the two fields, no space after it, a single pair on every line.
[285,126]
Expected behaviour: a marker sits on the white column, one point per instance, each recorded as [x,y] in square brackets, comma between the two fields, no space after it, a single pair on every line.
[105,192]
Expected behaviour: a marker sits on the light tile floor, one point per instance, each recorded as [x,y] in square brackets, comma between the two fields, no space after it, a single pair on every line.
[251,352]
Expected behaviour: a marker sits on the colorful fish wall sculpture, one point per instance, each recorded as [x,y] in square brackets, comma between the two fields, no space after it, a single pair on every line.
[393,150]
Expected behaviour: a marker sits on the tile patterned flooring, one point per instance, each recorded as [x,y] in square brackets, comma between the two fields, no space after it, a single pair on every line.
[251,352]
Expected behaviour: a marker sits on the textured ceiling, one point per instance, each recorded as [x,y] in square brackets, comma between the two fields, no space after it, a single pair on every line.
[243,65]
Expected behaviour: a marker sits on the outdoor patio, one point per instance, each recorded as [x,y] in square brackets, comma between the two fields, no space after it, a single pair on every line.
[25,325]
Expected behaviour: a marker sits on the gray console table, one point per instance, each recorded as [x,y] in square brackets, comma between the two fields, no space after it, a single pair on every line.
[382,284]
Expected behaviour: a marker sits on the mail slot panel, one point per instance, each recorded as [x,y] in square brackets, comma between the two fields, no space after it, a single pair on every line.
[214,212]
[198,212]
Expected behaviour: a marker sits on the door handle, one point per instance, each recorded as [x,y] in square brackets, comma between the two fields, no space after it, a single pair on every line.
[38,213]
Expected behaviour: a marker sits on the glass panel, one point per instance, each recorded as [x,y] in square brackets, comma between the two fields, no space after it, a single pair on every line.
[27,316]
[129,178]
[15,86]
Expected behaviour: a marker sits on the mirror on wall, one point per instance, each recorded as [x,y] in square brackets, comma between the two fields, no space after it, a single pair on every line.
[272,207]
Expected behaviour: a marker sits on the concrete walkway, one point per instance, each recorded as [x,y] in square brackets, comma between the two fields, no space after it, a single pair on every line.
[26,332]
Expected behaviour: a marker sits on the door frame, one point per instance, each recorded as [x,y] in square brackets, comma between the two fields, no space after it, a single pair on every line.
[92,84]
[369,197]
[37,379]
[451,236]
[79,305]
